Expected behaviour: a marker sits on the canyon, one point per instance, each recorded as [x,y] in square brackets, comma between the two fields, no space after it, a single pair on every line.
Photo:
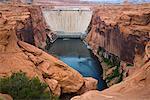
[118,35]
[122,34]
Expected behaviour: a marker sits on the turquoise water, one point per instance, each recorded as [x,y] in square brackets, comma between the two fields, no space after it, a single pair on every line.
[75,53]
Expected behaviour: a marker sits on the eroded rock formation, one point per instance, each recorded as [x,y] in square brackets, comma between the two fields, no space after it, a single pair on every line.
[32,29]
[122,31]
[40,28]
[89,84]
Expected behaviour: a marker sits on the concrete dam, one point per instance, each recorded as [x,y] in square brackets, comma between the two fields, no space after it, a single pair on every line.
[68,22]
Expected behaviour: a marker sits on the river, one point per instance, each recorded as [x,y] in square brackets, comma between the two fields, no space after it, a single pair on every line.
[76,54]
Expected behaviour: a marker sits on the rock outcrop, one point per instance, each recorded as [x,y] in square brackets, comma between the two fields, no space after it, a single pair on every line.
[24,25]
[32,29]
[16,55]
[50,67]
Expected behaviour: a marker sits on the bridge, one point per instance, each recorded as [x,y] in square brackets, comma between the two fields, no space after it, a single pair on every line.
[68,22]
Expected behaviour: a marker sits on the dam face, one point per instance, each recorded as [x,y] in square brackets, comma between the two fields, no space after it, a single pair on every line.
[68,22]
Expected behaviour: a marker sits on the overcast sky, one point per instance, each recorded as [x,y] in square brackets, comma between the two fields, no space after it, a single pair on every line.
[117,1]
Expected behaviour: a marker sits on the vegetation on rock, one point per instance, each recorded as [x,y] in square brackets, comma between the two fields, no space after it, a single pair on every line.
[112,62]
[19,86]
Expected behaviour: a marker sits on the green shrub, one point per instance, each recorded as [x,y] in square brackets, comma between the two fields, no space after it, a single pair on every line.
[115,74]
[21,87]
[112,61]
[108,62]
[130,65]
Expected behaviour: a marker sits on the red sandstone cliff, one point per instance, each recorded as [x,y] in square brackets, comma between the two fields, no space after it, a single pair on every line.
[39,26]
[31,30]
[123,31]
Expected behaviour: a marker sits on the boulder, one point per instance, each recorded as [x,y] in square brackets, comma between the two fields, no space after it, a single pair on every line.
[89,84]
[54,86]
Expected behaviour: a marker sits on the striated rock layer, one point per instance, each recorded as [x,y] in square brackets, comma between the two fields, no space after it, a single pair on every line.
[123,32]
[31,26]
[40,28]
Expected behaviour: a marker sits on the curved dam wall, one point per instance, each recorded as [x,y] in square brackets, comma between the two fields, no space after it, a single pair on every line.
[68,21]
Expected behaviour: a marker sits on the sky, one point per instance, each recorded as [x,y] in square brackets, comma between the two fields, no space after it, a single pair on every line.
[117,1]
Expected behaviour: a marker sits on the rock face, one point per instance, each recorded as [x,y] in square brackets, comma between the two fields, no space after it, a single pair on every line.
[54,86]
[32,29]
[134,87]
[16,55]
[40,28]
[123,33]
[24,24]
[89,84]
